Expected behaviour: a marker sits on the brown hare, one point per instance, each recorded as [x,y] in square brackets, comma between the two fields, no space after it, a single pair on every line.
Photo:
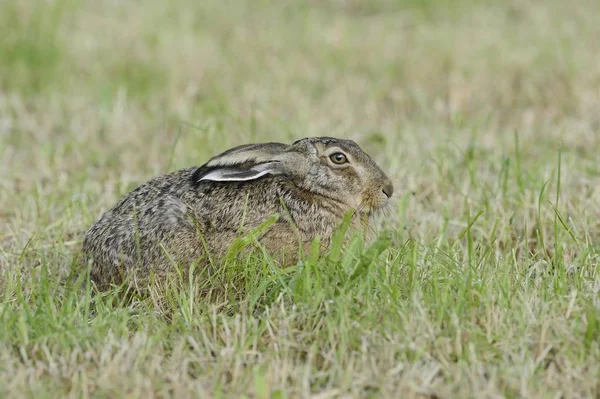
[195,213]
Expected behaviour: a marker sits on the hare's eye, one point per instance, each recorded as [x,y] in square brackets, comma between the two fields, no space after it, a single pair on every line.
[338,158]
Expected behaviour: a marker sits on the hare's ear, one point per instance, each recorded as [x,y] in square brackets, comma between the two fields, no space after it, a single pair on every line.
[241,173]
[253,154]
[250,162]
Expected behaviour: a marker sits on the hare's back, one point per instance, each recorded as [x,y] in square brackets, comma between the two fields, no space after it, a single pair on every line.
[151,211]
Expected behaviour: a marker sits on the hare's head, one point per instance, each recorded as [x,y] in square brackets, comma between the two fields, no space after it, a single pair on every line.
[333,168]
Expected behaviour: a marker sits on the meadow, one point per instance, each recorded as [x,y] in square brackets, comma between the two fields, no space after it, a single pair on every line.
[483,281]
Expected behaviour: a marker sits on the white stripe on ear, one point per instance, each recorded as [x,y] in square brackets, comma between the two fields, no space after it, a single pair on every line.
[233,174]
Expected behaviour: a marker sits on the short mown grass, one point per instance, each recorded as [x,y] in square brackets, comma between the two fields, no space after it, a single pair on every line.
[483,279]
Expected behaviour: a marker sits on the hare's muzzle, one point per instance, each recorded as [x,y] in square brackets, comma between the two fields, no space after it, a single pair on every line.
[388,189]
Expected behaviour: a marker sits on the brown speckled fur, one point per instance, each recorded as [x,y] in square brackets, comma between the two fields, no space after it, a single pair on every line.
[173,218]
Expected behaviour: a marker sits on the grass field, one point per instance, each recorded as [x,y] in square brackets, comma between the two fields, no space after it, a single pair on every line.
[484,282]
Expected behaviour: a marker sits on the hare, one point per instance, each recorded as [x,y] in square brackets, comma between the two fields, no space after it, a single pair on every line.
[195,213]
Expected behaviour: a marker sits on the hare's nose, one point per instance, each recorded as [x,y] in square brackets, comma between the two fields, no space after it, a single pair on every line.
[388,189]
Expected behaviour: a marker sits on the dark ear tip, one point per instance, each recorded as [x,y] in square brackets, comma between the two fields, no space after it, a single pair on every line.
[198,173]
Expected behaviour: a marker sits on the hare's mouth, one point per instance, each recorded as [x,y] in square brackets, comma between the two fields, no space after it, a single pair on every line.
[373,203]
[370,210]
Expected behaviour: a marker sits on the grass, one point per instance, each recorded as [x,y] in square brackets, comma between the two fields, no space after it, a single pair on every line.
[484,281]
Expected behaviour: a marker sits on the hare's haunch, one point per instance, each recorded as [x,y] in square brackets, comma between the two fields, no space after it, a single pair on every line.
[193,213]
